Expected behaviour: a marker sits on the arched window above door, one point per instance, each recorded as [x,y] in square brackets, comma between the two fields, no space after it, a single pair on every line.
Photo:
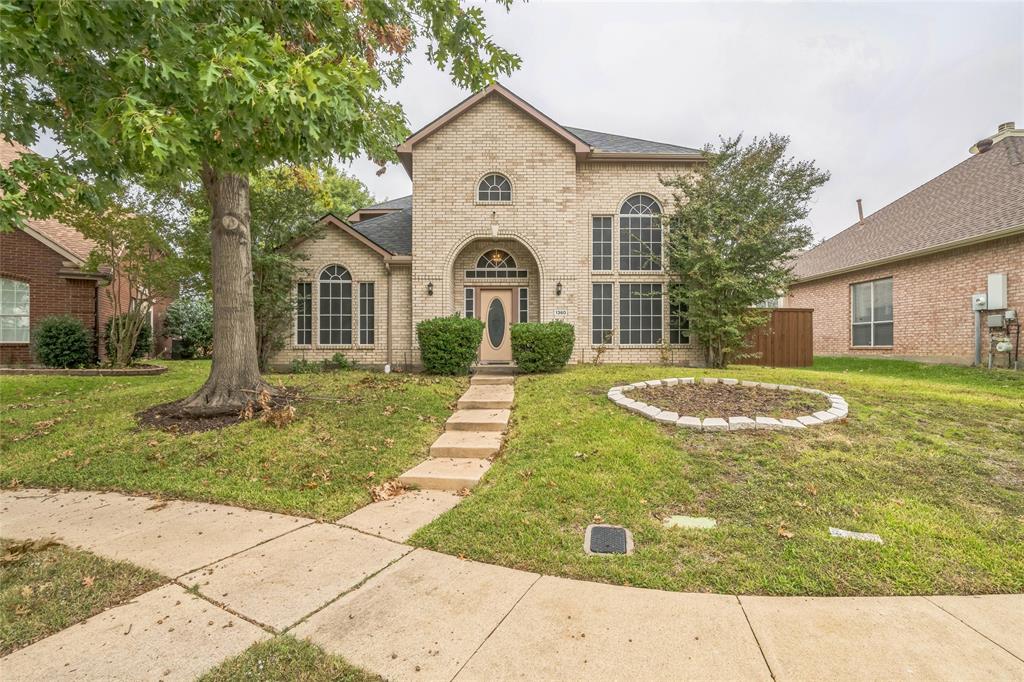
[496,264]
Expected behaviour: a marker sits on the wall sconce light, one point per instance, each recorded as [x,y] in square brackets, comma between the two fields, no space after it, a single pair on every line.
[430,288]
[558,289]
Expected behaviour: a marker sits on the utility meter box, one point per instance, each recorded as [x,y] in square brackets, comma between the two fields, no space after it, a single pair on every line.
[996,321]
[979,301]
[997,291]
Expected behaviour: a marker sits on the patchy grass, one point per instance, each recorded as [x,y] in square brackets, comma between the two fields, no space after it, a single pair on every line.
[352,431]
[286,659]
[931,458]
[46,587]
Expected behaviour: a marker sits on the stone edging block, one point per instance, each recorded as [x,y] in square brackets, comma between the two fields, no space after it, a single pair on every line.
[839,409]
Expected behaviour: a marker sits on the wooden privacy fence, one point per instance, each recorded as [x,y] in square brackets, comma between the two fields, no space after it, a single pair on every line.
[786,340]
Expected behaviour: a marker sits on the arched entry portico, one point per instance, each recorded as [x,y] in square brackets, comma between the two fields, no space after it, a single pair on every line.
[496,280]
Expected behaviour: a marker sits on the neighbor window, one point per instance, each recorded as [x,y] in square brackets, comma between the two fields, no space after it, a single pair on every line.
[640,234]
[872,313]
[495,264]
[366,318]
[335,306]
[13,311]
[640,313]
[601,314]
[678,323]
[494,187]
[304,313]
[470,307]
[601,239]
[524,304]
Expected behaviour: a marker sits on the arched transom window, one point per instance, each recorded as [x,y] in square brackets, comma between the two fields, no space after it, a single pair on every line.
[494,187]
[335,306]
[640,233]
[495,264]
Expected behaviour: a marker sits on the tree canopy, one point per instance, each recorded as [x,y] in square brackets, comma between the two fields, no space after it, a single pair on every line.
[736,223]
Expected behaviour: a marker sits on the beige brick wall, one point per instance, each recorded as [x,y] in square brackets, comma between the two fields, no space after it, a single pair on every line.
[932,317]
[364,265]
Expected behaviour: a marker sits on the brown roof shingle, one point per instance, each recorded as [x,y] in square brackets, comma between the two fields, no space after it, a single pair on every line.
[68,238]
[981,196]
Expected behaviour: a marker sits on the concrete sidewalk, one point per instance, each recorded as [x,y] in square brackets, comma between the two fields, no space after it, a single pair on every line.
[414,614]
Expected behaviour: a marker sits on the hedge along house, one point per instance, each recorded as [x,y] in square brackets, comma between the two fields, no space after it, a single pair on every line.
[899,282]
[513,218]
[43,273]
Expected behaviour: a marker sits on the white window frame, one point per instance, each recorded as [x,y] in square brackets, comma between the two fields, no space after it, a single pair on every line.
[610,226]
[14,285]
[607,335]
[342,329]
[493,188]
[367,320]
[299,314]
[655,218]
[872,323]
[657,332]
[523,304]
[469,302]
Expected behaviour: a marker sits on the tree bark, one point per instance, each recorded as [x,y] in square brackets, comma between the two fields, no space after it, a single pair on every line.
[234,376]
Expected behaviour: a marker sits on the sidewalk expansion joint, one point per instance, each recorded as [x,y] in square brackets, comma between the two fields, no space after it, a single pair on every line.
[753,632]
[971,627]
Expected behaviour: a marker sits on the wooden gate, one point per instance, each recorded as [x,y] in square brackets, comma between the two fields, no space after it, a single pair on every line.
[786,340]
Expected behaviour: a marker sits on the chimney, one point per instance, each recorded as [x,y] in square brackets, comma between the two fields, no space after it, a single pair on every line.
[860,210]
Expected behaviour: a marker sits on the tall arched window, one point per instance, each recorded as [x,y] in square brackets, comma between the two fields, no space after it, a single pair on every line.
[495,264]
[640,233]
[494,187]
[335,306]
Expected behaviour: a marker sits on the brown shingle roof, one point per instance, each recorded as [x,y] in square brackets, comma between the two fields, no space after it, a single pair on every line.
[981,197]
[67,238]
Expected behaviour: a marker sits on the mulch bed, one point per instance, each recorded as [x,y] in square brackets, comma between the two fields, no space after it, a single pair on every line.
[172,418]
[721,400]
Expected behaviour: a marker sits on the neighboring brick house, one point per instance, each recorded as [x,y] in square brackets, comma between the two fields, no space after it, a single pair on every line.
[899,282]
[42,273]
[513,217]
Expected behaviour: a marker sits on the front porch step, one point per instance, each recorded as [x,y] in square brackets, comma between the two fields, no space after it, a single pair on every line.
[478,420]
[446,473]
[493,370]
[492,380]
[486,398]
[479,444]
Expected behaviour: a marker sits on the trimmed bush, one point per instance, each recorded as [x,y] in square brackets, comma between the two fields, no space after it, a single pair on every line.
[63,341]
[542,346]
[143,342]
[448,345]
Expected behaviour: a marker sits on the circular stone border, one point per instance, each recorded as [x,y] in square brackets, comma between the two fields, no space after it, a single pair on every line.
[838,410]
[145,370]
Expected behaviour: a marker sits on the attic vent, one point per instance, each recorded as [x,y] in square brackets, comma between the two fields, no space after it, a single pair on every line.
[1005,127]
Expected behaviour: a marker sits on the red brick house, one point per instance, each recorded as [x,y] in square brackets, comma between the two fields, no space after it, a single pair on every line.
[899,283]
[42,273]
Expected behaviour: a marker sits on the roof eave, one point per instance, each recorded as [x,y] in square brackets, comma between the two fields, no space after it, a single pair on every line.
[46,241]
[631,156]
[948,246]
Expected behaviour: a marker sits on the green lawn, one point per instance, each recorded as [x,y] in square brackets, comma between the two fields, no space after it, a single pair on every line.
[286,659]
[47,587]
[931,458]
[353,430]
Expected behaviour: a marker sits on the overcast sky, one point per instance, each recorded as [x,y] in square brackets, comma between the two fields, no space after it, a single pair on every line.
[885,96]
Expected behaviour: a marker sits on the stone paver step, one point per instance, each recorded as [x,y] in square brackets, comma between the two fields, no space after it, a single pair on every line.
[478,420]
[492,380]
[446,473]
[486,398]
[502,370]
[467,444]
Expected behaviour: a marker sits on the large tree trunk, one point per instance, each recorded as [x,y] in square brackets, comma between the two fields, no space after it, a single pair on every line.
[235,376]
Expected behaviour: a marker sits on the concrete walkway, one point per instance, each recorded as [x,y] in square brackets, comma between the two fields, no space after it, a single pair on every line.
[412,614]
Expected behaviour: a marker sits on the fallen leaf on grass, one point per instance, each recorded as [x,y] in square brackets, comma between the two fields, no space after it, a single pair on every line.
[386,491]
[88,581]
[784,533]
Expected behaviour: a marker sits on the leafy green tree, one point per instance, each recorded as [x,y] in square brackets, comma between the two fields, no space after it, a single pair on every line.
[168,90]
[190,320]
[286,202]
[129,243]
[735,226]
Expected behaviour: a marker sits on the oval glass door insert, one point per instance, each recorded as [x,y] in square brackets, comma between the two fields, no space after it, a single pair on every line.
[496,322]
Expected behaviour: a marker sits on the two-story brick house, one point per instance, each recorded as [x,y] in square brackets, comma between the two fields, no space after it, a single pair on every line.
[513,217]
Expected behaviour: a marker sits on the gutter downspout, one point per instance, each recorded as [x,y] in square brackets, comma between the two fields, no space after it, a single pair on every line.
[96,317]
[387,269]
